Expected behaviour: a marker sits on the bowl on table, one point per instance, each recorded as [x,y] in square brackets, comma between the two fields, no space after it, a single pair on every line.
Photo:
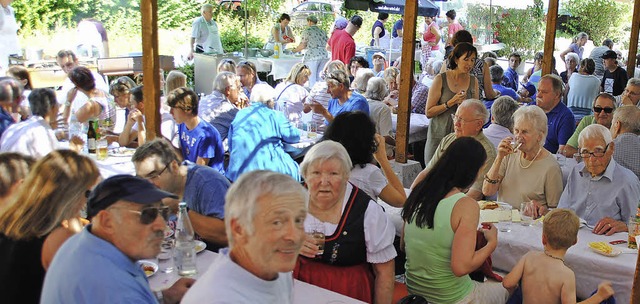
[251,52]
[266,52]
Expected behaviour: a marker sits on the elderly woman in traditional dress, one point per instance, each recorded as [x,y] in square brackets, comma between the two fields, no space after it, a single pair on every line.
[357,259]
[524,170]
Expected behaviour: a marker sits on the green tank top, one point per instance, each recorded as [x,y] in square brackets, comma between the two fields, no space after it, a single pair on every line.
[428,266]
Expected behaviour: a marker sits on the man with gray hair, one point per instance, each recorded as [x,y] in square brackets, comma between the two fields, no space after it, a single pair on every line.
[218,108]
[342,98]
[35,136]
[265,212]
[599,190]
[625,130]
[631,94]
[560,121]
[205,36]
[468,121]
[501,120]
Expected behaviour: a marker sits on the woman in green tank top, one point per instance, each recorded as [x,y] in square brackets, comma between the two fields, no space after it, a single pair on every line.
[440,231]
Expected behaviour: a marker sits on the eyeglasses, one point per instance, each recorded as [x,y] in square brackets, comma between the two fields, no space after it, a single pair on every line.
[456,119]
[600,109]
[149,214]
[153,175]
[586,154]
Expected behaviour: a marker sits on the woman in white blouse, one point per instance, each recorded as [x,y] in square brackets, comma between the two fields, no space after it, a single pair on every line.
[357,259]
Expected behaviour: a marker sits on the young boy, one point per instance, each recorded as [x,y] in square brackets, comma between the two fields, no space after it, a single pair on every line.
[544,276]
[510,79]
[199,141]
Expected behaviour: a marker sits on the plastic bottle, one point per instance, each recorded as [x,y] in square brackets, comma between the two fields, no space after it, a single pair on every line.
[276,50]
[92,137]
[185,250]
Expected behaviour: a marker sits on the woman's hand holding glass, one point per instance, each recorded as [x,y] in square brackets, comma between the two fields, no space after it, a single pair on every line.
[507,146]
[310,246]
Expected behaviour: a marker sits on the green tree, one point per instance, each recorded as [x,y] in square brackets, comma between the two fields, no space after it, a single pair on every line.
[599,18]
[521,30]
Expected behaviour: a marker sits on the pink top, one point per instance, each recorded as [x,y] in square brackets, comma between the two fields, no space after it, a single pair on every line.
[430,37]
[454,27]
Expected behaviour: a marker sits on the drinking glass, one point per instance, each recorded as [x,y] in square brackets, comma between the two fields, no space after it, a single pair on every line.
[515,145]
[526,213]
[300,125]
[165,257]
[312,129]
[505,219]
[102,149]
[316,231]
[634,230]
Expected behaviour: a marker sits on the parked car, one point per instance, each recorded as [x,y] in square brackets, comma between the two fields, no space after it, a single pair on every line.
[320,9]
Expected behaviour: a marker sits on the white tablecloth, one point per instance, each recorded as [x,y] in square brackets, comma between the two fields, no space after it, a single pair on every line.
[280,67]
[589,267]
[302,292]
[115,165]
[418,125]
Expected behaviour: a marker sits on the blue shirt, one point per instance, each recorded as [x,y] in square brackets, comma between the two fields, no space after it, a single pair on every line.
[560,127]
[216,109]
[256,142]
[5,120]
[203,141]
[505,91]
[613,194]
[510,79]
[204,190]
[88,269]
[356,102]
[396,26]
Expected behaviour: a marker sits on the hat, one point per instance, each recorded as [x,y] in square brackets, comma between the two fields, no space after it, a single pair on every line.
[609,55]
[340,23]
[123,187]
[378,54]
[312,18]
[356,20]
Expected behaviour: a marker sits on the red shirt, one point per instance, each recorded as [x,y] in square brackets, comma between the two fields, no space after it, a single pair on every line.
[343,47]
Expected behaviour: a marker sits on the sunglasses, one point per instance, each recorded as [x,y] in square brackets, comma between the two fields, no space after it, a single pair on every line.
[600,109]
[148,215]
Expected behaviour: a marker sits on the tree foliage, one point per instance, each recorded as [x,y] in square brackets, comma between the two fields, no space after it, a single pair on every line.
[521,30]
[599,18]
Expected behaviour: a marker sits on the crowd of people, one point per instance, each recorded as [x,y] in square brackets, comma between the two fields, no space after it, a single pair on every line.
[67,235]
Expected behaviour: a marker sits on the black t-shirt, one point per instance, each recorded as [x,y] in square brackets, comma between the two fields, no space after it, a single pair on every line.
[614,83]
[21,271]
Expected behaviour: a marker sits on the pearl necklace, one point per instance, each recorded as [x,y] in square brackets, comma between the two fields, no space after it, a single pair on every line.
[553,257]
[531,163]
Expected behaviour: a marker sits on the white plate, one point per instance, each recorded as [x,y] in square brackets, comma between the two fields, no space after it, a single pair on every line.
[147,267]
[200,246]
[614,252]
[122,152]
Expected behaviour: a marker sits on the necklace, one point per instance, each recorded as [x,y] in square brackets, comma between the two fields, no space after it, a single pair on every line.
[553,257]
[531,163]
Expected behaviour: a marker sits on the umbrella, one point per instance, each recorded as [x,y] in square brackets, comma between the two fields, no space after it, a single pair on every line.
[425,7]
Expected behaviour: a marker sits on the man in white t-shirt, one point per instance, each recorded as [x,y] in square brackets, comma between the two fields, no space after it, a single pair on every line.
[205,35]
[264,216]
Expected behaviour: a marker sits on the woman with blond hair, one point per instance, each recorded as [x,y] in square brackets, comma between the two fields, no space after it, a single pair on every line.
[42,214]
[291,94]
[14,167]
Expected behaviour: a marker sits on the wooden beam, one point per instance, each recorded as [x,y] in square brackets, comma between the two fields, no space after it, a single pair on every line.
[633,41]
[406,80]
[550,36]
[151,67]
[635,290]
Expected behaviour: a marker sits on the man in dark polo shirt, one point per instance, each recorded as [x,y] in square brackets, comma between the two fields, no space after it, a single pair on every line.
[560,121]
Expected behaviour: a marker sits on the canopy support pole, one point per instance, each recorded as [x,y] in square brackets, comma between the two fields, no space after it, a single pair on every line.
[151,67]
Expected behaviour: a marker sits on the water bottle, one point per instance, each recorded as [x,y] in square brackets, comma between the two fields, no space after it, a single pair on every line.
[76,128]
[185,247]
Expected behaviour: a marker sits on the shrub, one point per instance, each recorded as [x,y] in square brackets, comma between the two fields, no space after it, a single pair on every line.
[521,30]
[599,18]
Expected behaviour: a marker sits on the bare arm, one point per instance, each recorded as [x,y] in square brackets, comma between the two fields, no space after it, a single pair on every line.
[318,108]
[175,293]
[202,161]
[604,292]
[209,228]
[89,110]
[512,279]
[393,193]
[376,36]
[192,42]
[435,109]
[434,31]
[384,284]
[464,257]
[300,47]
[489,92]
[565,52]
[504,148]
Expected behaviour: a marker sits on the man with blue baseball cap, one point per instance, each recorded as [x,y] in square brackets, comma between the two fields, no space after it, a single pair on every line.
[98,265]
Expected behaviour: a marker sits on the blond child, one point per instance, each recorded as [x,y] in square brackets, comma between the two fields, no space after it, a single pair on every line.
[544,276]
